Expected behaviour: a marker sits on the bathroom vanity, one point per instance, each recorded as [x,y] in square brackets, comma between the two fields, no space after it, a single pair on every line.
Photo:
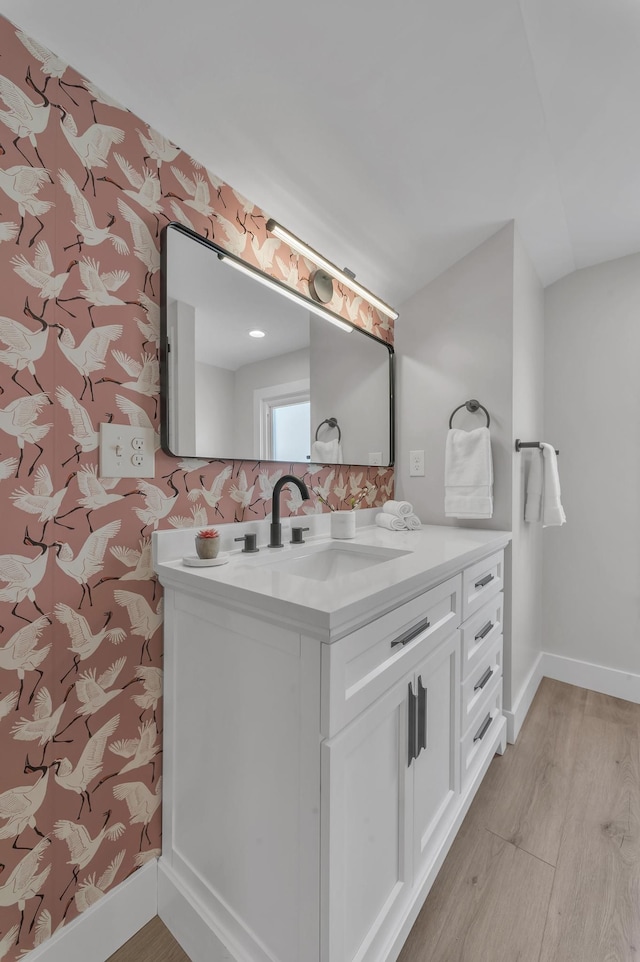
[330,710]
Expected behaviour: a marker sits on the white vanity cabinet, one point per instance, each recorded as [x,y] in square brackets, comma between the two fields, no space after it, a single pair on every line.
[389,782]
[315,776]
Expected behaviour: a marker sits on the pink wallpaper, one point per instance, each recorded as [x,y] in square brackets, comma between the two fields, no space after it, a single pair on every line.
[85,187]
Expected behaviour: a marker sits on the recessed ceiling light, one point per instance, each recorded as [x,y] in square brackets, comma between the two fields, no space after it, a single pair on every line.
[256,333]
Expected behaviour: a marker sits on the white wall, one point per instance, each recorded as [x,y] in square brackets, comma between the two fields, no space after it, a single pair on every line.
[350,381]
[477,331]
[282,369]
[525,609]
[591,582]
[453,342]
[214,426]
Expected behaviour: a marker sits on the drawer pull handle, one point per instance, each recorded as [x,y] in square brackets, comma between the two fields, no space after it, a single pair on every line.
[411,634]
[422,716]
[482,731]
[484,632]
[483,681]
[412,727]
[483,581]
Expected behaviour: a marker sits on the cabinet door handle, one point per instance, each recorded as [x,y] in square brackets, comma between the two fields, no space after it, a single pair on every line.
[411,633]
[484,632]
[483,581]
[482,731]
[411,740]
[422,716]
[483,681]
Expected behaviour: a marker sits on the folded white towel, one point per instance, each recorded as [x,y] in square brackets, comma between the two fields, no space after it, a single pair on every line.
[399,508]
[412,522]
[543,489]
[552,510]
[390,521]
[535,487]
[468,474]
[327,452]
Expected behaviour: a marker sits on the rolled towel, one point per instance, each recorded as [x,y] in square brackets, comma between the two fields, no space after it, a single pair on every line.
[412,522]
[390,521]
[399,508]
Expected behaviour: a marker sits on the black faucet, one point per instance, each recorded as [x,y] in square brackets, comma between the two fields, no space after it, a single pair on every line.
[275,529]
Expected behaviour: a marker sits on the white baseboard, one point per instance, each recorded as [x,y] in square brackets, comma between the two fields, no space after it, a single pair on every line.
[106,926]
[607,681]
[190,922]
[523,699]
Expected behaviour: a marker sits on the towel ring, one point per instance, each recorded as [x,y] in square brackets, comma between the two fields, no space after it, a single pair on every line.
[333,423]
[471,406]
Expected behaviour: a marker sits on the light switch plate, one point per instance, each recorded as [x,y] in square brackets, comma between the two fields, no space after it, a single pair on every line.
[375,457]
[126,451]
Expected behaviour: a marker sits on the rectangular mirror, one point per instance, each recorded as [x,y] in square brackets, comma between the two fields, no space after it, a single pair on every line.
[305,390]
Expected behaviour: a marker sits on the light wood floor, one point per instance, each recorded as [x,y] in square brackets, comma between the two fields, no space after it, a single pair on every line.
[546,866]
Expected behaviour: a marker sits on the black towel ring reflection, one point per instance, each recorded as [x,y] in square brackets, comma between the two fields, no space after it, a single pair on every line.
[333,423]
[471,406]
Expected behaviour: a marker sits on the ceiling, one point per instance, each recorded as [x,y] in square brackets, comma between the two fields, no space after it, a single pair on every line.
[394,138]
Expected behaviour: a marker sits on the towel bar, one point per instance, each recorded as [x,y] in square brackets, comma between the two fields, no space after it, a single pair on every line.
[471,406]
[530,444]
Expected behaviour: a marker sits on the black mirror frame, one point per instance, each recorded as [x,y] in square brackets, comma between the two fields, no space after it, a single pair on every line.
[164,344]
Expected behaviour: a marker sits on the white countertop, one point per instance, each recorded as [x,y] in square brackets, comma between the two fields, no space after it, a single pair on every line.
[331,609]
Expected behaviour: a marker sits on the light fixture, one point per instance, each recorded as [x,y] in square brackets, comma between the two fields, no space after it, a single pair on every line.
[256,334]
[344,276]
[287,291]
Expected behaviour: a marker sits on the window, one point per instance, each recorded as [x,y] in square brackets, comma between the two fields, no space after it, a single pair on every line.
[282,422]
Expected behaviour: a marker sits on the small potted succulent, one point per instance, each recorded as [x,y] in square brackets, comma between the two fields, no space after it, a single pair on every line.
[207,543]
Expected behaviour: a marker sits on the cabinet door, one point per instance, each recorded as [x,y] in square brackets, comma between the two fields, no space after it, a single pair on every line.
[436,768]
[366,822]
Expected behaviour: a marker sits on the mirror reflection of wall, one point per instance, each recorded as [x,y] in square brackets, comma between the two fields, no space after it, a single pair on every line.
[347,374]
[232,395]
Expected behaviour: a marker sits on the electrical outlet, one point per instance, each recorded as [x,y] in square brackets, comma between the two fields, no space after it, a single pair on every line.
[416,464]
[126,451]
[375,457]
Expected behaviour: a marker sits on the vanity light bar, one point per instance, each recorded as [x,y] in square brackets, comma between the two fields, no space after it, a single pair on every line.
[275,228]
[283,289]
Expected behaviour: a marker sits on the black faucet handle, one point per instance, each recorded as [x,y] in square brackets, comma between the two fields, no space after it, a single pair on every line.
[249,542]
[296,535]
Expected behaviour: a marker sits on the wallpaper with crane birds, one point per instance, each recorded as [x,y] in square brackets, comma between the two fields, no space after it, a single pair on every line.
[85,188]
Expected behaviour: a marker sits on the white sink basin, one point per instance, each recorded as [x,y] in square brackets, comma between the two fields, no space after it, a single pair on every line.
[330,560]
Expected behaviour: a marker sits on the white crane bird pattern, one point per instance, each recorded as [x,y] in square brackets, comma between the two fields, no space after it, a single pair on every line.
[84,188]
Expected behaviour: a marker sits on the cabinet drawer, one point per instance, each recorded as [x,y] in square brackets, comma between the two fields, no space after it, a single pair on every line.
[479,633]
[475,744]
[480,681]
[480,581]
[360,667]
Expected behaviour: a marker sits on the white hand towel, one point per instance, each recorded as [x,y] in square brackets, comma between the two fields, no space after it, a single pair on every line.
[552,510]
[399,508]
[468,474]
[543,489]
[390,521]
[535,487]
[327,452]
[412,522]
